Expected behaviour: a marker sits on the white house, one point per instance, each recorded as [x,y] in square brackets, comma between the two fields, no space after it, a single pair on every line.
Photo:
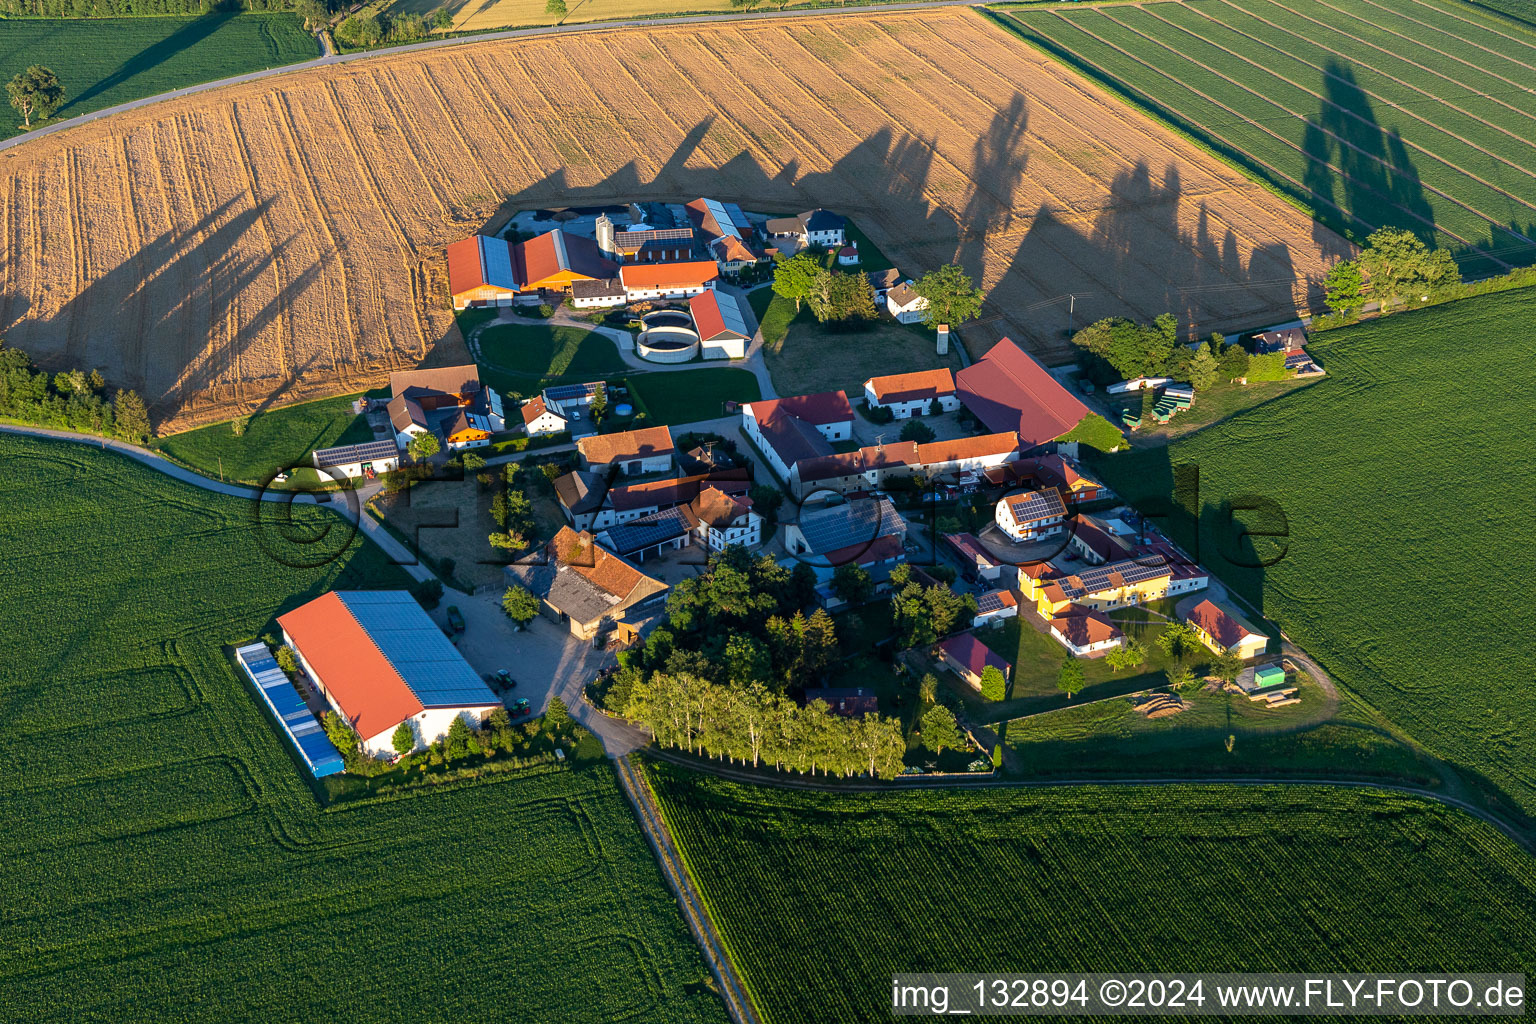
[913,394]
[1085,632]
[541,418]
[721,325]
[379,660]
[995,606]
[848,255]
[358,460]
[598,293]
[1032,515]
[643,281]
[648,450]
[787,430]
[725,520]
[813,227]
[905,304]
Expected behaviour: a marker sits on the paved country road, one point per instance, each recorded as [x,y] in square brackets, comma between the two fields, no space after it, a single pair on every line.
[329,57]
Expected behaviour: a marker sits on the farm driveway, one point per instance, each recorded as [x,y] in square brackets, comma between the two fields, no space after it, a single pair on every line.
[544,659]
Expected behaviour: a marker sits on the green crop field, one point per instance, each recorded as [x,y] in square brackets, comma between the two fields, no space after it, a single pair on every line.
[273,440]
[1401,483]
[164,859]
[820,898]
[107,61]
[1420,114]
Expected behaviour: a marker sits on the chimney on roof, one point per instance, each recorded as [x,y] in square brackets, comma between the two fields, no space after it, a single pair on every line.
[943,339]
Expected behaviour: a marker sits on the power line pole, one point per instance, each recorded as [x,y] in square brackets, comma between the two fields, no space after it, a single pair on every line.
[1071,309]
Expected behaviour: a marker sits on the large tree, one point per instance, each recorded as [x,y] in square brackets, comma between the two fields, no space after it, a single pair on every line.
[1132,349]
[131,417]
[35,91]
[520,605]
[1342,287]
[1069,679]
[1400,265]
[940,730]
[952,296]
[423,446]
[852,583]
[796,276]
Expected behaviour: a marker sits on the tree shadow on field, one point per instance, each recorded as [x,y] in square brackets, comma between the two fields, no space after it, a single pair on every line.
[154,55]
[152,338]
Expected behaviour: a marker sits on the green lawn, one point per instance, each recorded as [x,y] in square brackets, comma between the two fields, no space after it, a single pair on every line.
[774,313]
[274,440]
[1037,658]
[812,358]
[821,897]
[545,352]
[685,396]
[1369,115]
[1111,738]
[103,62]
[165,859]
[1210,406]
[1397,486]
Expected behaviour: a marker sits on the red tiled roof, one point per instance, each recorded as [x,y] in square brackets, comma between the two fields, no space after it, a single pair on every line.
[668,275]
[819,409]
[1008,390]
[580,553]
[1218,624]
[1084,626]
[964,649]
[907,387]
[967,448]
[707,320]
[353,670]
[541,258]
[718,509]
[601,449]
[534,408]
[970,548]
[464,270]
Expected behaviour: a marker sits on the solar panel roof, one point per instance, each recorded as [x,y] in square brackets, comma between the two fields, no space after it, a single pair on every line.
[350,453]
[857,522]
[1032,506]
[730,312]
[1098,578]
[304,732]
[413,645]
[722,217]
[652,529]
[496,262]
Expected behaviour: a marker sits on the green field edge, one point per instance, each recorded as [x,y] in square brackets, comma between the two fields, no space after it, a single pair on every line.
[1167,119]
[1524,837]
[639,763]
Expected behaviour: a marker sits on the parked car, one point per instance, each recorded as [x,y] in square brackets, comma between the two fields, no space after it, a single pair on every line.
[455,618]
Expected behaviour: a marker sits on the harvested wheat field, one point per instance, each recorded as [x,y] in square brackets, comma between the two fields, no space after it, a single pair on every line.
[282,239]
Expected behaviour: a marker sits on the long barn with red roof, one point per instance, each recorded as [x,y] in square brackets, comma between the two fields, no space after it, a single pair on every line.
[1007,389]
[379,660]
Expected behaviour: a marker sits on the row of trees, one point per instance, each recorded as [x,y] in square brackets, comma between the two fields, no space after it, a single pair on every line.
[141,8]
[69,400]
[371,28]
[756,726]
[837,297]
[1117,348]
[1399,267]
[923,615]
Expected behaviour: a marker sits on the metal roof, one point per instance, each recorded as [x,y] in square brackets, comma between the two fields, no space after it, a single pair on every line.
[304,732]
[639,534]
[857,522]
[413,645]
[350,453]
[496,263]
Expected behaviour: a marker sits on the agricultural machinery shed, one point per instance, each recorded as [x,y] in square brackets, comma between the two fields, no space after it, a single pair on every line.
[298,722]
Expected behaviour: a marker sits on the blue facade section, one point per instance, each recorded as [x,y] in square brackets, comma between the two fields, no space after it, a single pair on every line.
[304,732]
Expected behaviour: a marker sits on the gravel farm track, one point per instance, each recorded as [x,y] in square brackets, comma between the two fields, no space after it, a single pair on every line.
[282,239]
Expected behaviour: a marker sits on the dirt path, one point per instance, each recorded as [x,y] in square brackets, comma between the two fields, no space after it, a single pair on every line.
[732,991]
